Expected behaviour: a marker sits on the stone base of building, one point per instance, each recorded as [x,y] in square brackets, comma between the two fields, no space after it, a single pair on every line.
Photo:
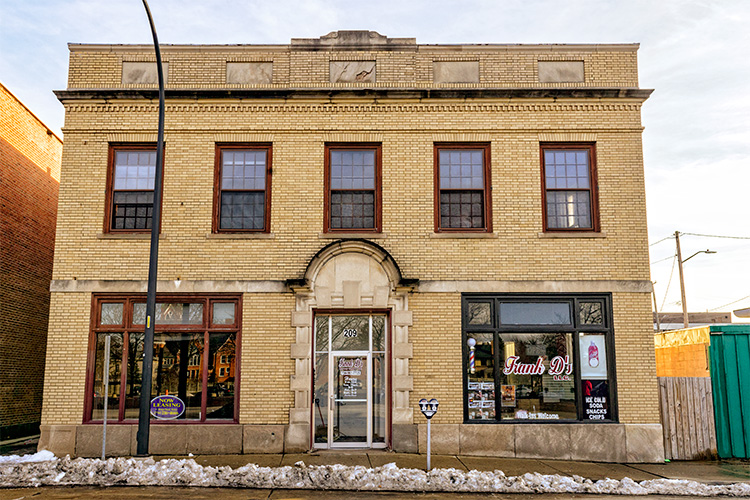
[631,443]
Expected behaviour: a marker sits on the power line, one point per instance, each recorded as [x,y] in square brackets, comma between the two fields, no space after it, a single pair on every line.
[725,305]
[663,239]
[716,236]
[671,273]
[662,260]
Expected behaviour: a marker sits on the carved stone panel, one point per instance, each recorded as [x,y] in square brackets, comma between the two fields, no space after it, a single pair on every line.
[455,72]
[250,73]
[142,73]
[352,71]
[561,71]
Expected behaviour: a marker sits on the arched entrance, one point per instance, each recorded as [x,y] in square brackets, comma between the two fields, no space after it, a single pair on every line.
[351,379]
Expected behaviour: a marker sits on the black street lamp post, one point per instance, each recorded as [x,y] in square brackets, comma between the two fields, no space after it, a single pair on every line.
[148,339]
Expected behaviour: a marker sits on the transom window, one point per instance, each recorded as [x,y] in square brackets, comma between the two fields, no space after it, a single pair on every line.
[569,187]
[242,201]
[130,188]
[538,357]
[195,356]
[462,187]
[353,200]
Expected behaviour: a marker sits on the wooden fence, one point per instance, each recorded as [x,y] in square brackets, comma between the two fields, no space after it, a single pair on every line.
[687,416]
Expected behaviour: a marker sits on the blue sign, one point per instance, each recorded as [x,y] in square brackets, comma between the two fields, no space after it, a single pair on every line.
[167,407]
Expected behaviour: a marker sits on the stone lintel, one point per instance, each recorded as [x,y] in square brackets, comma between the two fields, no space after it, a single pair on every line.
[536,286]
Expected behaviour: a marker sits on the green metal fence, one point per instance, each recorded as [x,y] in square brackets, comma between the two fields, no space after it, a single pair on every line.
[730,378]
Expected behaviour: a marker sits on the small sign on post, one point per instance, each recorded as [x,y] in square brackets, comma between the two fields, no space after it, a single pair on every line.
[429,409]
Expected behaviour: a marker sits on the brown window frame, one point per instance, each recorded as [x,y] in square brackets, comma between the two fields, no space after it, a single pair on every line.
[487,191]
[216,222]
[593,189]
[128,327]
[109,196]
[378,148]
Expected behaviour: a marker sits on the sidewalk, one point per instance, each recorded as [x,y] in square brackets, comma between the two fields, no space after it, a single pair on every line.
[709,472]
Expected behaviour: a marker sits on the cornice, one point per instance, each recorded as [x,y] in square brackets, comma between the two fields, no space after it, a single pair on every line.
[358,93]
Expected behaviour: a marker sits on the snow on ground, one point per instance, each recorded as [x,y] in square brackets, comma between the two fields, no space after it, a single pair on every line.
[40,456]
[43,469]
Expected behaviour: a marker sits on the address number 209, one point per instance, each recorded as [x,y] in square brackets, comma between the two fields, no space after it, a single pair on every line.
[350,332]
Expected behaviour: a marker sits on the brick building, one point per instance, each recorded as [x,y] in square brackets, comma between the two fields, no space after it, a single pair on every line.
[30,155]
[351,223]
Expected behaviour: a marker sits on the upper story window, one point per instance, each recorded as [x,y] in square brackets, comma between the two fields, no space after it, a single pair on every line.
[570,191]
[353,199]
[130,188]
[462,188]
[242,196]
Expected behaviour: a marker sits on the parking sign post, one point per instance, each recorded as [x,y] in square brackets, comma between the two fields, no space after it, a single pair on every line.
[429,409]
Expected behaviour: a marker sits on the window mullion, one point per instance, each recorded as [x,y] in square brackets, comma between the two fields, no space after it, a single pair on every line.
[123,375]
[204,376]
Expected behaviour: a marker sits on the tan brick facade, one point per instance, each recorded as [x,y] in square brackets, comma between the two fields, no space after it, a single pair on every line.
[404,112]
[29,175]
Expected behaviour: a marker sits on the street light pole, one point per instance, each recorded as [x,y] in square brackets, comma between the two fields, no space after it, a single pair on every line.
[148,337]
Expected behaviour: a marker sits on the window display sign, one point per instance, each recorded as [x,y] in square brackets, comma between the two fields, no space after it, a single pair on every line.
[167,407]
[508,395]
[593,352]
[351,381]
[596,400]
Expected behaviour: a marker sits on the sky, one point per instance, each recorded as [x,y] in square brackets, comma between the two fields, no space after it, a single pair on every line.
[693,53]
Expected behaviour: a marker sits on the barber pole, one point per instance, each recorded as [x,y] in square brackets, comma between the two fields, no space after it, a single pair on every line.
[471,343]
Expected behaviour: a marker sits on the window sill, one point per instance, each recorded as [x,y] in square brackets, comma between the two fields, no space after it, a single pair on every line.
[462,236]
[601,234]
[343,236]
[127,236]
[240,236]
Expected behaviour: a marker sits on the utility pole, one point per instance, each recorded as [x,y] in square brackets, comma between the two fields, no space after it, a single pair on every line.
[685,319]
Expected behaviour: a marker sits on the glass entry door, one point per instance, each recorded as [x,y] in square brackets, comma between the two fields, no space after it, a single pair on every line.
[349,401]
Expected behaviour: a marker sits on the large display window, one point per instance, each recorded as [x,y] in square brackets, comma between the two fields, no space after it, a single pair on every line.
[538,358]
[196,351]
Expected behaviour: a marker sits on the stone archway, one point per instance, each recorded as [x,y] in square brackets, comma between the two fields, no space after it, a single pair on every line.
[349,274]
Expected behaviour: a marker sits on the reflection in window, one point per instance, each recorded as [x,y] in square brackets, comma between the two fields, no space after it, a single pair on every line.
[112,313]
[568,187]
[223,313]
[221,376]
[203,380]
[480,313]
[350,333]
[353,183]
[178,368]
[170,314]
[115,362]
[537,379]
[535,313]
[461,185]
[590,313]
[550,364]
[481,377]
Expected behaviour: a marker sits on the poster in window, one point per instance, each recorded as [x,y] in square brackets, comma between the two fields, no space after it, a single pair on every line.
[593,350]
[596,400]
[508,396]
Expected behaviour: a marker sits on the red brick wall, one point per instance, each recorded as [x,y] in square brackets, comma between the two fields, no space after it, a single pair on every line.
[29,178]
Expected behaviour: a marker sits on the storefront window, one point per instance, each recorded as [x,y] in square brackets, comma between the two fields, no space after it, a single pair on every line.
[548,358]
[204,379]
